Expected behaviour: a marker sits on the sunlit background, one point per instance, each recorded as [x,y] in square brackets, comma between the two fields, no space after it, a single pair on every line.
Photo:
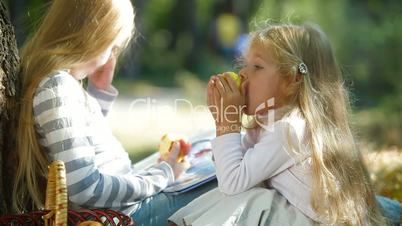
[180,43]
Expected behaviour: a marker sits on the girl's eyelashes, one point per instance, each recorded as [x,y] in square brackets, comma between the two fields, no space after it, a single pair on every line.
[242,62]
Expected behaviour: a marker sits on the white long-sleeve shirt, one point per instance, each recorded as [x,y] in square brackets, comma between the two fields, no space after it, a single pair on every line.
[275,156]
[71,126]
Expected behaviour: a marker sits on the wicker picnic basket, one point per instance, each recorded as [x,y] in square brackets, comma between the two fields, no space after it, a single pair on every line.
[56,211]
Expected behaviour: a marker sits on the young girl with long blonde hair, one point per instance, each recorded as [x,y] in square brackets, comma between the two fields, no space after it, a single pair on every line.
[301,145]
[59,120]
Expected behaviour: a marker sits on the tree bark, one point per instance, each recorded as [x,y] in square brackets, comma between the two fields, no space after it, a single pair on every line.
[9,89]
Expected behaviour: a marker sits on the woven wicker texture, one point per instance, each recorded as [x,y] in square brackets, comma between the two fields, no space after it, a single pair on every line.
[56,210]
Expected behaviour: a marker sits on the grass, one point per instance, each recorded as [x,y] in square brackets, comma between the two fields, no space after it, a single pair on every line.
[385,168]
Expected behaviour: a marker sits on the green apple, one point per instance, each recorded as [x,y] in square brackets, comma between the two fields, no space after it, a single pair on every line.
[235,77]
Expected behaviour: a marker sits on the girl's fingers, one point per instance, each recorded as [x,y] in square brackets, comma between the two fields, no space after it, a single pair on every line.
[210,92]
[219,86]
[225,83]
[217,96]
[231,83]
[214,92]
[211,96]
[174,152]
[214,108]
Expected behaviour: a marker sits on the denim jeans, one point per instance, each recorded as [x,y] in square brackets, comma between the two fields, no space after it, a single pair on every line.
[155,210]
[391,210]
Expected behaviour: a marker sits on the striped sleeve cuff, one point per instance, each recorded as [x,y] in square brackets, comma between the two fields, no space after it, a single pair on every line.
[168,170]
[105,98]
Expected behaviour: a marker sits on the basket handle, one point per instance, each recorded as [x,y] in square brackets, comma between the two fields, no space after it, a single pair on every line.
[56,195]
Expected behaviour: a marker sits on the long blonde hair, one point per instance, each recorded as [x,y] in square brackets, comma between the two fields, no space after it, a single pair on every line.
[72,32]
[342,193]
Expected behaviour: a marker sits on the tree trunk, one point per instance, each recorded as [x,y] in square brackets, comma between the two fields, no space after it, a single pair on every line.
[9,89]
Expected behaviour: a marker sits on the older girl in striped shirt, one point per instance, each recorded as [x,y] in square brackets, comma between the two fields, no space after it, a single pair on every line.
[60,120]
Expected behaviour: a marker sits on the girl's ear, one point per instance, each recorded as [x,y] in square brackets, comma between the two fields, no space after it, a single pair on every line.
[290,84]
[298,77]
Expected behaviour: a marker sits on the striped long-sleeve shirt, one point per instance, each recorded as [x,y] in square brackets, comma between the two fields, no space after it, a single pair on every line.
[71,126]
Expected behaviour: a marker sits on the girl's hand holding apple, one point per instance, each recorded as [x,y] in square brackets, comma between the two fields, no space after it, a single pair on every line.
[173,149]
[225,102]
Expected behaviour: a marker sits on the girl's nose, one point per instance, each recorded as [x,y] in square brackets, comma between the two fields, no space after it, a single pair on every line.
[242,74]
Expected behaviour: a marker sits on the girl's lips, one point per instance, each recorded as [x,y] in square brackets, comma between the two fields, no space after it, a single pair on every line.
[244,89]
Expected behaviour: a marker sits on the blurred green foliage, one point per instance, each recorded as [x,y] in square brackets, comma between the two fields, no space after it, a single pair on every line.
[367,39]
[177,37]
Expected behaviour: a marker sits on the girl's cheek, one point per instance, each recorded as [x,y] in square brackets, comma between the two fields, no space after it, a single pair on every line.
[104,57]
[97,63]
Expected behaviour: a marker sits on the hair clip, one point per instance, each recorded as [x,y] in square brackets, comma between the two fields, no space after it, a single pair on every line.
[303,68]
